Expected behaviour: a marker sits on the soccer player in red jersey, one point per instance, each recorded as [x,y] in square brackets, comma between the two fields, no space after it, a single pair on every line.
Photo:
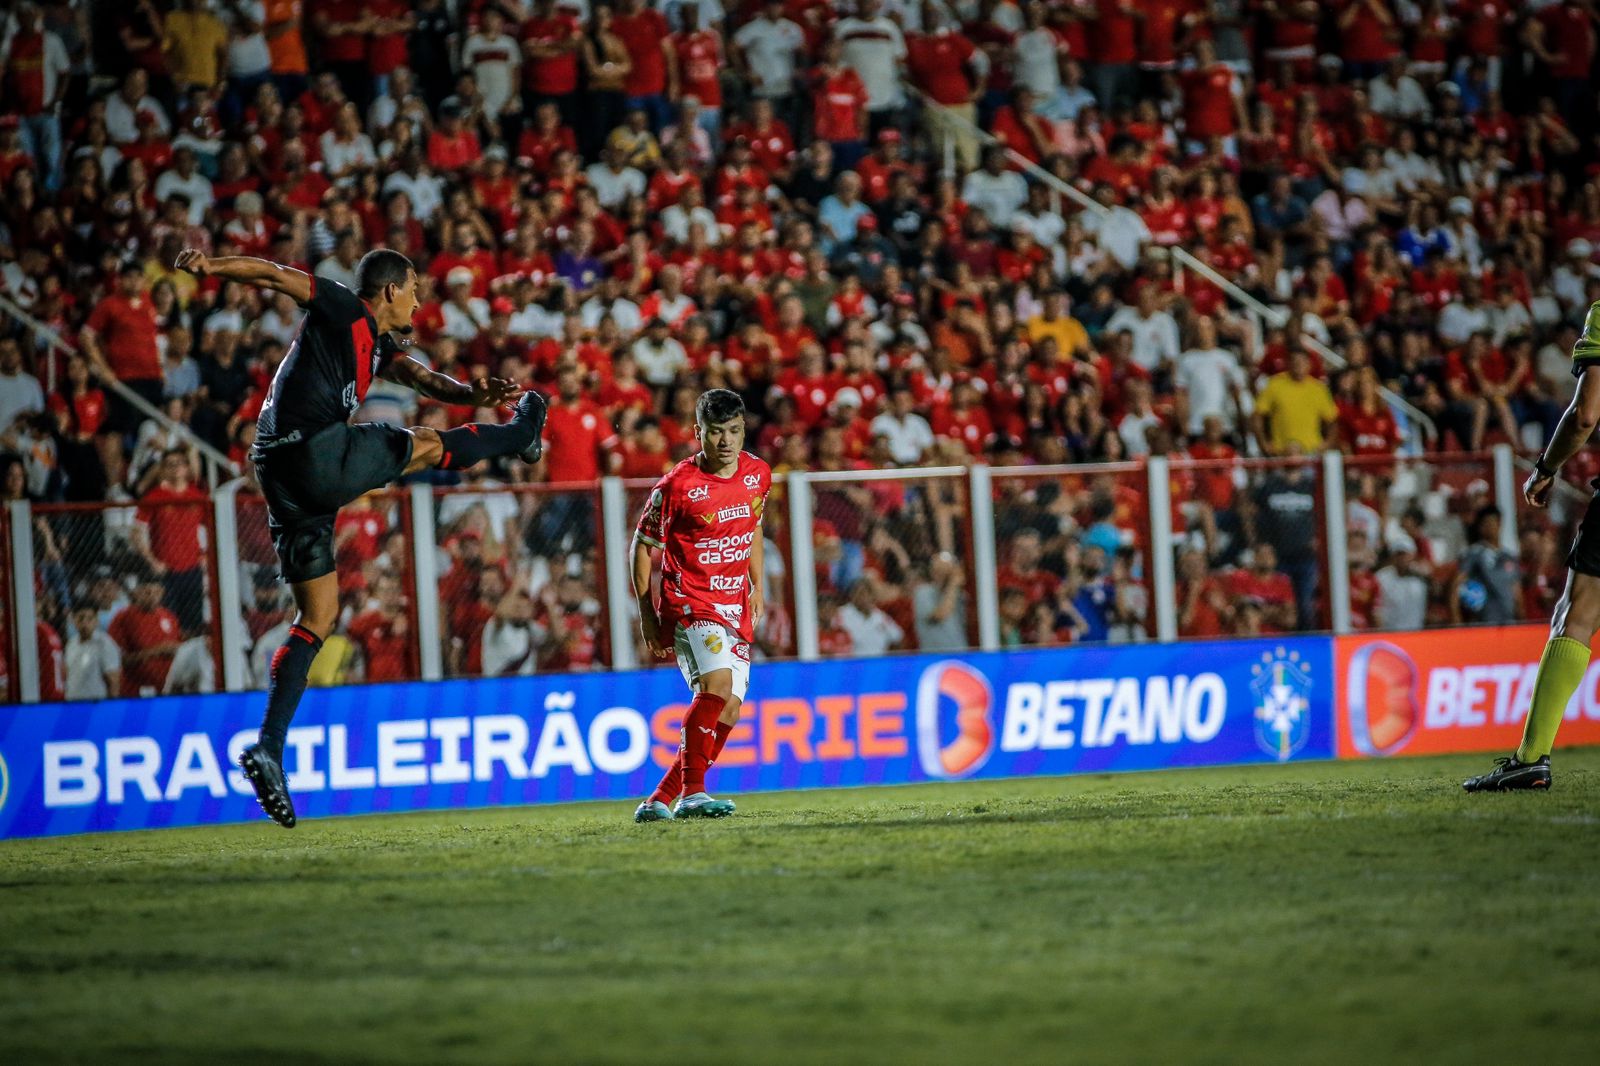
[705,519]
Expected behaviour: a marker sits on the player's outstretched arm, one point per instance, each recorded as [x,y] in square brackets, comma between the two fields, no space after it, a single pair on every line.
[1577,425]
[262,273]
[481,392]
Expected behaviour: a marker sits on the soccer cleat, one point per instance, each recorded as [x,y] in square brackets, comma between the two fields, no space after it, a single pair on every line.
[532,408]
[1509,774]
[701,805]
[652,811]
[272,788]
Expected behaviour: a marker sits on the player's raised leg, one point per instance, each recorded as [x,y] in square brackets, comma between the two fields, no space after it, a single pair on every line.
[464,446]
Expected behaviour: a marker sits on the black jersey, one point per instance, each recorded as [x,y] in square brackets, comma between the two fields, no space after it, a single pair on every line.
[328,369]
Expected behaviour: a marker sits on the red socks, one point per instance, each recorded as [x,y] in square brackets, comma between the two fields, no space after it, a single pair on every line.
[671,786]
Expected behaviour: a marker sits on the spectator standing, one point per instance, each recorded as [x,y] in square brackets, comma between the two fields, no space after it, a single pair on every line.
[873,46]
[939,603]
[147,634]
[652,82]
[169,532]
[34,69]
[93,661]
[196,43]
[871,630]
[1402,587]
[950,71]
[20,392]
[120,339]
[494,58]
[1295,411]
[606,67]
[768,50]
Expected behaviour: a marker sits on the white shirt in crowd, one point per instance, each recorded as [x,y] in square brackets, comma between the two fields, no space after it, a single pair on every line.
[1457,321]
[1154,339]
[611,187]
[998,196]
[196,188]
[425,191]
[1402,600]
[660,364]
[1207,375]
[20,393]
[1402,98]
[874,48]
[194,669]
[122,121]
[625,313]
[334,270]
[339,155]
[248,54]
[1120,233]
[1133,430]
[675,223]
[1038,66]
[871,632]
[55,63]
[494,65]
[464,323]
[88,661]
[511,648]
[770,48]
[909,438]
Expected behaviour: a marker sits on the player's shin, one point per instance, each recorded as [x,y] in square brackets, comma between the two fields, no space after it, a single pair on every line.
[699,740]
[1561,671]
[471,444]
[286,683]
[671,786]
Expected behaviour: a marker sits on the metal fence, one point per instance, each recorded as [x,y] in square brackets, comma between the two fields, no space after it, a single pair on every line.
[182,594]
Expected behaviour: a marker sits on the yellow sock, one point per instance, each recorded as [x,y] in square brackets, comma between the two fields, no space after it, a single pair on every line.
[1561,670]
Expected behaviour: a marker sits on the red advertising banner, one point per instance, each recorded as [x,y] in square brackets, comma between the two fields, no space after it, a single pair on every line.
[1448,690]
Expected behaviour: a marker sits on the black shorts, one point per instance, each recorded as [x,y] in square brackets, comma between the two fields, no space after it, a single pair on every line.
[1584,558]
[305,484]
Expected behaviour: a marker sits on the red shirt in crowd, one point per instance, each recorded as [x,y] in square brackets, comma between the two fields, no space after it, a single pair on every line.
[135,630]
[174,520]
[551,75]
[642,34]
[384,640]
[839,102]
[578,432]
[1208,109]
[127,328]
[938,66]
[387,52]
[699,65]
[1114,36]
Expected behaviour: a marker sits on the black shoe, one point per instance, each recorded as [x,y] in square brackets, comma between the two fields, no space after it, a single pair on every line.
[1509,774]
[272,788]
[531,408]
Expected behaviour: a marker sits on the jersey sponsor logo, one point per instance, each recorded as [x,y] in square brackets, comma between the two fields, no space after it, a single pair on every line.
[726,514]
[752,480]
[731,611]
[734,548]
[348,397]
[727,583]
[699,492]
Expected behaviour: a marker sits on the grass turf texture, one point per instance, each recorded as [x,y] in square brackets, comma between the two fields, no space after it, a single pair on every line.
[1340,913]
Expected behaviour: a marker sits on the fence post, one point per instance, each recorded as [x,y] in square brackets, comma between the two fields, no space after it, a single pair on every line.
[25,611]
[1163,584]
[1506,496]
[980,496]
[425,567]
[230,604]
[802,566]
[1337,522]
[619,579]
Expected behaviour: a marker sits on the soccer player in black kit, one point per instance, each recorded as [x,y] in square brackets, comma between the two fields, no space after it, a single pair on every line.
[311,460]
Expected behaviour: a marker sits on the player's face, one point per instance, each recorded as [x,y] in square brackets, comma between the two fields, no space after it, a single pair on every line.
[403,303]
[723,442]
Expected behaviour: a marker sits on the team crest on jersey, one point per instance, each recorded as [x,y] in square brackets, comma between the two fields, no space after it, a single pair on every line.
[699,492]
[752,480]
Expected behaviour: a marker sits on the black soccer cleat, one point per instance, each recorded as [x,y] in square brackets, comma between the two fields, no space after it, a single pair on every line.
[532,409]
[272,787]
[1509,775]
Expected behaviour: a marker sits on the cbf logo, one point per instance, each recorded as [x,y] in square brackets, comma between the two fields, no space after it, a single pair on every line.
[1282,690]
[952,689]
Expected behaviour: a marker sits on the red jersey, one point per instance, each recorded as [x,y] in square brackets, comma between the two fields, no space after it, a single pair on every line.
[705,526]
[839,101]
[135,629]
[699,61]
[127,330]
[582,430]
[1208,109]
[642,34]
[386,52]
[551,75]
[385,643]
[938,66]
[175,520]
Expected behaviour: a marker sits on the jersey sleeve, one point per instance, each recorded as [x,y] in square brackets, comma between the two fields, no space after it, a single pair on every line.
[657,517]
[1586,352]
[333,301]
[388,351]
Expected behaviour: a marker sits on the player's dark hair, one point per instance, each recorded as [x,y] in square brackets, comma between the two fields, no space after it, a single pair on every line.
[717,406]
[379,268]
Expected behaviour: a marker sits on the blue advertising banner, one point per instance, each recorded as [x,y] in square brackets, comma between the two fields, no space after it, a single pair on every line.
[151,763]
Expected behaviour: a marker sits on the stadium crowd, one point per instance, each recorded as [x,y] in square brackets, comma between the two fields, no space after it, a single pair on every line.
[626,204]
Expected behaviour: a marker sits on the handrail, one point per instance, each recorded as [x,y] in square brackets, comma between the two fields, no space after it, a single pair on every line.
[1277,316]
[145,407]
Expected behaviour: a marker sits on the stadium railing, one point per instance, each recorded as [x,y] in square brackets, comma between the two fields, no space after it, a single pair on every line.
[959,557]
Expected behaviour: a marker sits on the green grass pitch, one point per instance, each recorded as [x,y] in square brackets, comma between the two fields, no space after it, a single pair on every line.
[1319,913]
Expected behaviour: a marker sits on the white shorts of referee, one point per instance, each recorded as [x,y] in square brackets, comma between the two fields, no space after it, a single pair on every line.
[705,647]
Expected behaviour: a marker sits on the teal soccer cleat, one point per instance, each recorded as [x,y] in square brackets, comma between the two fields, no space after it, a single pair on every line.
[701,805]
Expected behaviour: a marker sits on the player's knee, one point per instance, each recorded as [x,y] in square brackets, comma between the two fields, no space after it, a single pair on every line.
[718,683]
[426,449]
[730,711]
